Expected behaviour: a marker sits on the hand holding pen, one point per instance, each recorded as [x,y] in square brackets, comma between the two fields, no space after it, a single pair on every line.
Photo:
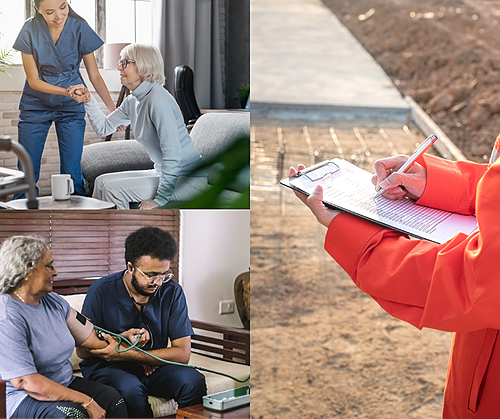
[409,180]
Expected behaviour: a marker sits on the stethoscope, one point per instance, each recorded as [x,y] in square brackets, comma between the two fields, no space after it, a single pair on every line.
[142,310]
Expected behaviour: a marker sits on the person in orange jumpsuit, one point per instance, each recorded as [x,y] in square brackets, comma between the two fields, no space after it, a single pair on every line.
[454,286]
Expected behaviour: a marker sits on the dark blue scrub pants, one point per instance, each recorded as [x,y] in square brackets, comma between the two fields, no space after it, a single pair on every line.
[107,397]
[70,128]
[183,384]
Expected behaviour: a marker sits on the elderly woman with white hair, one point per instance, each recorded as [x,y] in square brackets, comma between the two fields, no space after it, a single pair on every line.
[158,124]
[38,331]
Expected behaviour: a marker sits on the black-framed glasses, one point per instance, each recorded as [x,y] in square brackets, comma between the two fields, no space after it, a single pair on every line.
[164,278]
[124,63]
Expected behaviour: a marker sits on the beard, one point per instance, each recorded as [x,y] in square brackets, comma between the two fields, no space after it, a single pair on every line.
[140,290]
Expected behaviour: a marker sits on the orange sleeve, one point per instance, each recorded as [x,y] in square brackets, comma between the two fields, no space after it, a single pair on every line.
[451,186]
[454,286]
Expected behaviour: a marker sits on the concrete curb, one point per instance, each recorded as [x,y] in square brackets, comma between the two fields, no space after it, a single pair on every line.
[311,112]
[286,111]
[444,145]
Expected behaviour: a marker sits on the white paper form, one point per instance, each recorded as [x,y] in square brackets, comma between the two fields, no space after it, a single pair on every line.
[349,187]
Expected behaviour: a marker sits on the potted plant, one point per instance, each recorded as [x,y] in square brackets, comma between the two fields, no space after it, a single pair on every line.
[5,57]
[242,94]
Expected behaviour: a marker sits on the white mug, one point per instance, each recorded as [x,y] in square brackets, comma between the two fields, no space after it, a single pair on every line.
[62,187]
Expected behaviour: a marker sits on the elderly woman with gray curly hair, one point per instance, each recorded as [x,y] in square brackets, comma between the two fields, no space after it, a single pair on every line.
[38,331]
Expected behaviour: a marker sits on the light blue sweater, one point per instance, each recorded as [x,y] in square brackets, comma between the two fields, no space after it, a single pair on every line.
[158,125]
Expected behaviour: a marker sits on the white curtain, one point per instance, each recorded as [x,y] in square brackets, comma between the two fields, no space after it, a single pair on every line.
[187,32]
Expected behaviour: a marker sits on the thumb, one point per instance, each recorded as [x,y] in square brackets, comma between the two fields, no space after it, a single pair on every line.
[385,183]
[318,193]
[393,180]
[316,196]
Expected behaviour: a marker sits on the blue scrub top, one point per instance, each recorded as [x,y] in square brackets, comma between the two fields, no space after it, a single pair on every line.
[58,64]
[109,306]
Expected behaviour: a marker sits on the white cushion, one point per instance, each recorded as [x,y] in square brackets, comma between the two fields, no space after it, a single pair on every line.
[75,300]
[215,382]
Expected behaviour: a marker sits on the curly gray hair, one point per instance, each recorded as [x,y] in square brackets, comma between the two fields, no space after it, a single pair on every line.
[18,255]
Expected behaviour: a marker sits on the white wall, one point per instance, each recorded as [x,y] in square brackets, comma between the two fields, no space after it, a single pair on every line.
[215,249]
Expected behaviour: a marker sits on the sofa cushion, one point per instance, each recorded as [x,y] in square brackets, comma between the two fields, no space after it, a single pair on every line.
[215,382]
[215,132]
[112,156]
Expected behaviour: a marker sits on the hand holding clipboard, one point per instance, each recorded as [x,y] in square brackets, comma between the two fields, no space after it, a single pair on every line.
[343,186]
[314,201]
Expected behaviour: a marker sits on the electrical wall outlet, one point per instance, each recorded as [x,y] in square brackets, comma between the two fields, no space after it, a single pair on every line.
[226,307]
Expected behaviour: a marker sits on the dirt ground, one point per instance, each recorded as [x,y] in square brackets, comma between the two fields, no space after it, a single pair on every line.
[320,347]
[443,53]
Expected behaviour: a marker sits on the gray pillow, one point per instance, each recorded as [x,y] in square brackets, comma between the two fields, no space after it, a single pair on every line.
[214,133]
[112,156]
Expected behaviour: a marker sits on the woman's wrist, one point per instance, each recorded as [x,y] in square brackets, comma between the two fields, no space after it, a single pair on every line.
[85,405]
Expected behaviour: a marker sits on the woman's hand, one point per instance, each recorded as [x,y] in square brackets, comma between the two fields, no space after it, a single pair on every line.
[399,185]
[109,352]
[95,411]
[148,204]
[79,93]
[323,214]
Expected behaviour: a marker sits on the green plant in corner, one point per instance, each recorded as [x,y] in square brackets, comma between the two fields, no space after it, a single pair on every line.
[5,57]
[242,94]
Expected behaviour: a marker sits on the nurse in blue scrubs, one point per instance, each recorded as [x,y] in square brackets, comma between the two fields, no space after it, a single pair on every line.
[53,44]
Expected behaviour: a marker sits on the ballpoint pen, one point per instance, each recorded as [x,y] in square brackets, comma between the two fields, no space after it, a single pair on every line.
[431,139]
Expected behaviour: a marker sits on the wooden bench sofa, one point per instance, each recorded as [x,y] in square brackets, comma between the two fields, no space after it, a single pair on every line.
[213,347]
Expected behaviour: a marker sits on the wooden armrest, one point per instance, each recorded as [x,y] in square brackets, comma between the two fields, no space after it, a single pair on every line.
[3,406]
[230,343]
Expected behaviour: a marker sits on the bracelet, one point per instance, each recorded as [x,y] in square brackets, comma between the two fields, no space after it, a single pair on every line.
[86,404]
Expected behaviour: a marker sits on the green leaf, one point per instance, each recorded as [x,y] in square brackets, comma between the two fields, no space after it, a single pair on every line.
[233,167]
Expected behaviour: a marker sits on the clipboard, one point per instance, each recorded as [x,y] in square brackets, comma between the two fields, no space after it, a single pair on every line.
[347,187]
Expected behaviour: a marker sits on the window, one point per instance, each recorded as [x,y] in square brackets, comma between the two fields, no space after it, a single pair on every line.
[12,17]
[88,244]
[85,9]
[126,20]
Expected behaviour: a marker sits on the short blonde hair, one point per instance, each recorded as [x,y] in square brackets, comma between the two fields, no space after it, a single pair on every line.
[148,60]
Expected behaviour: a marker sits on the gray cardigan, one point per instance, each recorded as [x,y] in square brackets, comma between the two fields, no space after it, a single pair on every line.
[158,125]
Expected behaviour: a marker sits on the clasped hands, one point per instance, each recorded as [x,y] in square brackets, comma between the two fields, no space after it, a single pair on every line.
[398,186]
[79,93]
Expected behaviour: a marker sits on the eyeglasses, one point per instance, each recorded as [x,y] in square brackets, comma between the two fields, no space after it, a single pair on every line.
[164,278]
[124,63]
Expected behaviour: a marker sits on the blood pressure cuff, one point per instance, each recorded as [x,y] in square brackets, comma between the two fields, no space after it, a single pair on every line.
[79,326]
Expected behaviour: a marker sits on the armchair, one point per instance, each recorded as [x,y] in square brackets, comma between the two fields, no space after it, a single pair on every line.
[213,134]
[184,94]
